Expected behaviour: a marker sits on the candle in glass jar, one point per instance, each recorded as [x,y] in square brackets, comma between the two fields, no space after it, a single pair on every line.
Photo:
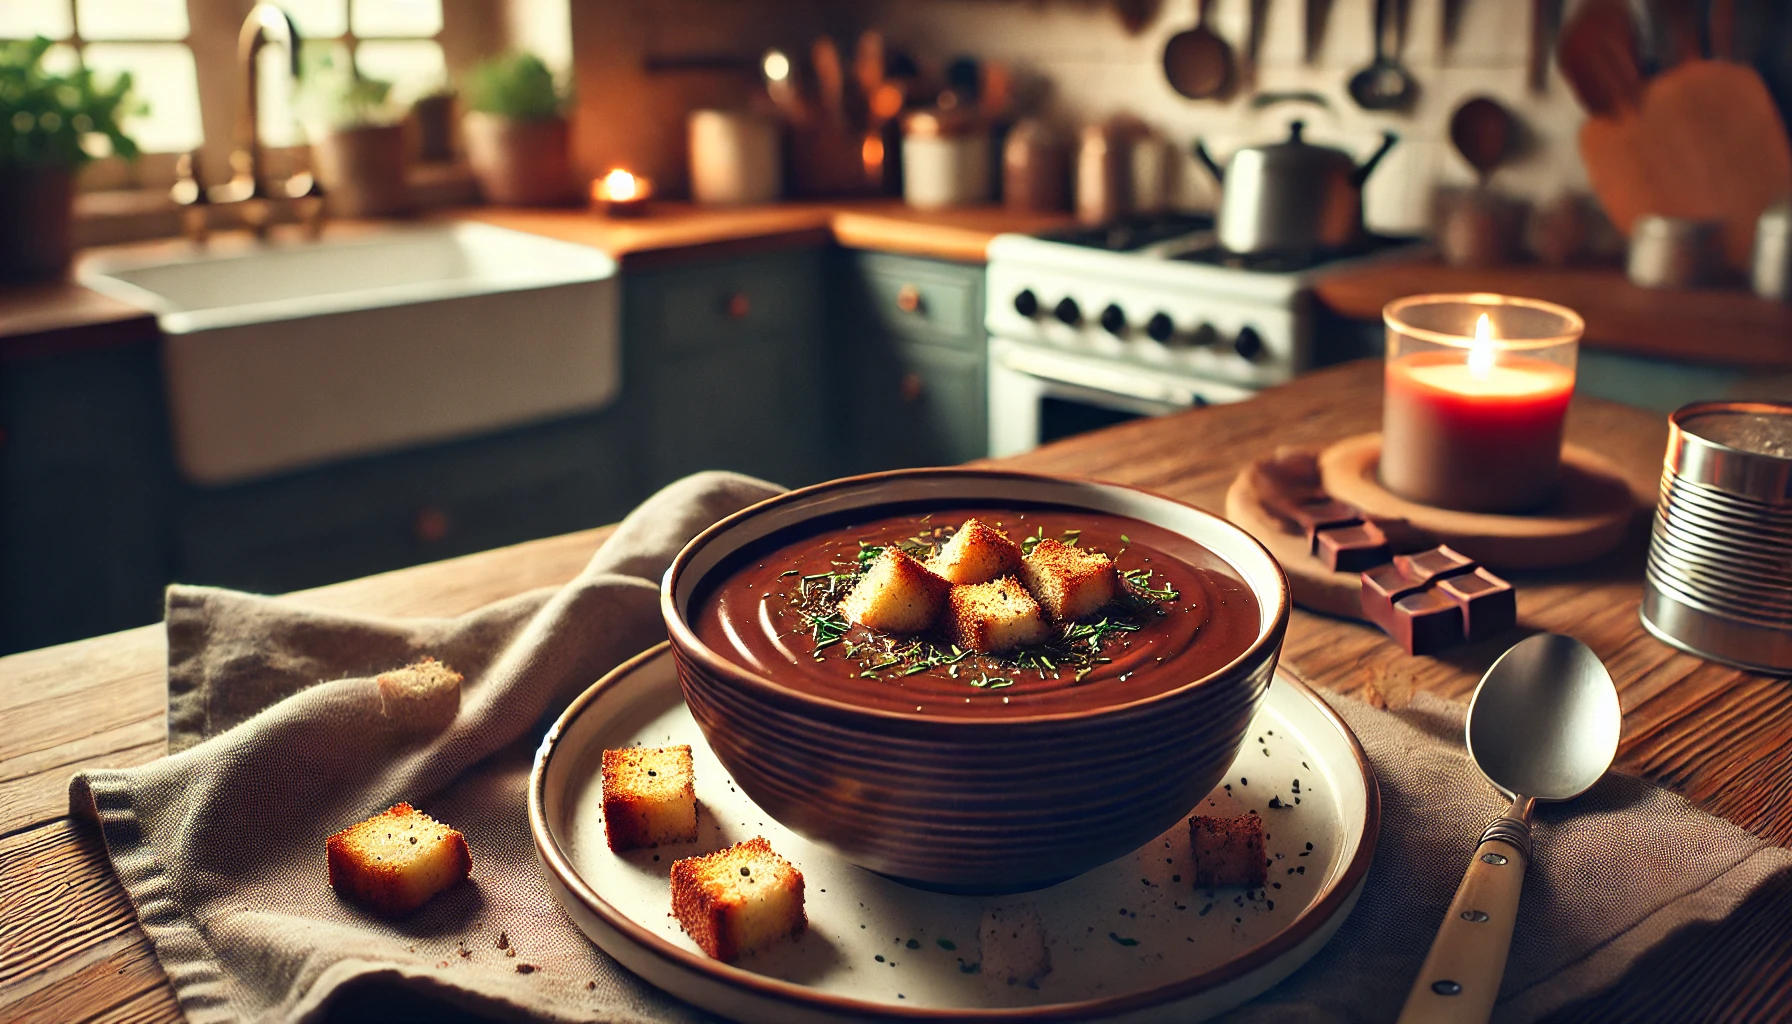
[1476,425]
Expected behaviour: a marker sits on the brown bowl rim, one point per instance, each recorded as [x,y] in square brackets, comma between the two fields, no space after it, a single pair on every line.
[685,639]
[1321,910]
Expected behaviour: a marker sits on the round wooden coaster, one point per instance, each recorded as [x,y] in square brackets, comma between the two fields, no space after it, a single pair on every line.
[1314,587]
[1592,507]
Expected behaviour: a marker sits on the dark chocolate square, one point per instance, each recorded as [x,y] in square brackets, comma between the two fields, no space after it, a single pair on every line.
[1426,622]
[1382,586]
[1352,548]
[1489,604]
[1437,563]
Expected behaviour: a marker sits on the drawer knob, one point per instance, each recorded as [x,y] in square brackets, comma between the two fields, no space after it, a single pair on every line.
[911,387]
[431,525]
[908,299]
[738,306]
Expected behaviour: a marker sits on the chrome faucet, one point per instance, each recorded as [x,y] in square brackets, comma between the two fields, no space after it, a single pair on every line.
[250,190]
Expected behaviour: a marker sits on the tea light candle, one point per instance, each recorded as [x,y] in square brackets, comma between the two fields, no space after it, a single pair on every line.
[1477,387]
[621,194]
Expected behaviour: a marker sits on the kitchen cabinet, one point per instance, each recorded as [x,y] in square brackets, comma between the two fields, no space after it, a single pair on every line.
[86,481]
[373,514]
[725,367]
[909,340]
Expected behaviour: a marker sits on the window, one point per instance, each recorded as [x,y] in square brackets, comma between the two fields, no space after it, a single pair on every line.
[392,41]
[148,38]
[396,41]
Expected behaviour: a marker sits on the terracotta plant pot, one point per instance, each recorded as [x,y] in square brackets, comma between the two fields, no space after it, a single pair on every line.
[520,163]
[363,171]
[37,205]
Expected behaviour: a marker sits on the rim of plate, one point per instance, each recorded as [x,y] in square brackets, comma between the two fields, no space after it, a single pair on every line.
[1317,913]
[691,645]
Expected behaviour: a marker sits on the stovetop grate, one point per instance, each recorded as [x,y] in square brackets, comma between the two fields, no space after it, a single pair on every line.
[1131,233]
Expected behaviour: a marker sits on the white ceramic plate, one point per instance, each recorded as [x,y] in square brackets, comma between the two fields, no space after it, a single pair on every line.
[1131,940]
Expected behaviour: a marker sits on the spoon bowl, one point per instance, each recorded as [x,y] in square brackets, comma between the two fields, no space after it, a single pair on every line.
[1545,720]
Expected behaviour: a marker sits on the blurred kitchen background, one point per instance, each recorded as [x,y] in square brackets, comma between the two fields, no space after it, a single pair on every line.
[885,265]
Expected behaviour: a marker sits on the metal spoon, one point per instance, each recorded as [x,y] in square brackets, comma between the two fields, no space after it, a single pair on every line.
[1543,725]
[1384,84]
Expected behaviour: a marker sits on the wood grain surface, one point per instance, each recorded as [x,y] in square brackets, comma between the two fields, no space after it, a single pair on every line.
[70,950]
[1729,326]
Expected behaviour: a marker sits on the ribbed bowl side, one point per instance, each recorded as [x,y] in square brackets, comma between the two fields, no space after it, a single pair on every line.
[982,805]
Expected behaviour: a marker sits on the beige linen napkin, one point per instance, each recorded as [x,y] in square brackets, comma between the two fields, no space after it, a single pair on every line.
[280,741]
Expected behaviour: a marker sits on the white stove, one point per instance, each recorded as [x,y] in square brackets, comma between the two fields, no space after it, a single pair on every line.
[1090,326]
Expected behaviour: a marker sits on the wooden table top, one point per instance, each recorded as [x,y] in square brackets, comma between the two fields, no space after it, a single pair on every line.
[70,947]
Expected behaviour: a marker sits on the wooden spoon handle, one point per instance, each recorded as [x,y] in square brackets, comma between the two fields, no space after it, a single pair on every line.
[1461,976]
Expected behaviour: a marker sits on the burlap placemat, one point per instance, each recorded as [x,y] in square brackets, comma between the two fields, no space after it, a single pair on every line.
[280,741]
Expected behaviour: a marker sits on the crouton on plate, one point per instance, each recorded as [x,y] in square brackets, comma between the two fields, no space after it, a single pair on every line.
[896,595]
[738,900]
[648,797]
[1228,851]
[392,863]
[977,553]
[1069,582]
[423,695]
[996,616]
[1014,945]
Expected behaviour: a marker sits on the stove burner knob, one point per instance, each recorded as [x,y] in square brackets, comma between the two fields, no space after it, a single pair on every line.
[1248,344]
[1113,320]
[1204,335]
[1026,303]
[1161,328]
[1068,312]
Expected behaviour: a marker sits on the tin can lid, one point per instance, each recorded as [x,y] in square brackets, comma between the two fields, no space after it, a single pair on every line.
[1741,448]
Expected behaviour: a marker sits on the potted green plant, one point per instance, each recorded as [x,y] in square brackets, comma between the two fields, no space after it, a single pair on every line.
[516,134]
[359,141]
[49,125]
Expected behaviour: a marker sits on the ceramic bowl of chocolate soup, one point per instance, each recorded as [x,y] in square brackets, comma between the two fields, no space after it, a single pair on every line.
[991,712]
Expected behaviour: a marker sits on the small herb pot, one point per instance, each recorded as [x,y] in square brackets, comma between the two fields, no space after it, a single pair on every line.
[520,163]
[37,204]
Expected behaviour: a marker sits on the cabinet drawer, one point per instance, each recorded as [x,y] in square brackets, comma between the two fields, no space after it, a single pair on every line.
[922,300]
[688,310]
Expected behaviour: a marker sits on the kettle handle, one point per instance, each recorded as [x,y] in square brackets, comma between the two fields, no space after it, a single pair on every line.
[1214,169]
[1361,174]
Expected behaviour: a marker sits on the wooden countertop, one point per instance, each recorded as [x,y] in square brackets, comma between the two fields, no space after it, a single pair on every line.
[60,316]
[71,949]
[1729,326]
[674,231]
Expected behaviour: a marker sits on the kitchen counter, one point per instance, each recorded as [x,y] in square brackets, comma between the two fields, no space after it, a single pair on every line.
[677,231]
[73,952]
[57,317]
[1724,326]
[62,316]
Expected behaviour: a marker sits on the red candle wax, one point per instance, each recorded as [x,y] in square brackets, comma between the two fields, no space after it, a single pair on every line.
[1477,438]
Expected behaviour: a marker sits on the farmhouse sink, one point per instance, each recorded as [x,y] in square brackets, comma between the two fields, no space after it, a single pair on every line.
[294,354]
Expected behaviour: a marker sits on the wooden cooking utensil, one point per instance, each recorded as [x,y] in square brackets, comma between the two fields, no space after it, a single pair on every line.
[1482,131]
[1598,57]
[1705,143]
[1197,62]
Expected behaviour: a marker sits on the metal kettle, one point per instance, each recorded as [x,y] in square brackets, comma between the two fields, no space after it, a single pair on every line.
[1291,196]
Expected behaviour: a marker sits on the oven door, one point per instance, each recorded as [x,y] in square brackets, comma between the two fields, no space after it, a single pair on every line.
[1037,396]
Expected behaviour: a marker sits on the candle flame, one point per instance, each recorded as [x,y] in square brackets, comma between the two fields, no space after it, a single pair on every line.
[619,184]
[776,66]
[1480,354]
